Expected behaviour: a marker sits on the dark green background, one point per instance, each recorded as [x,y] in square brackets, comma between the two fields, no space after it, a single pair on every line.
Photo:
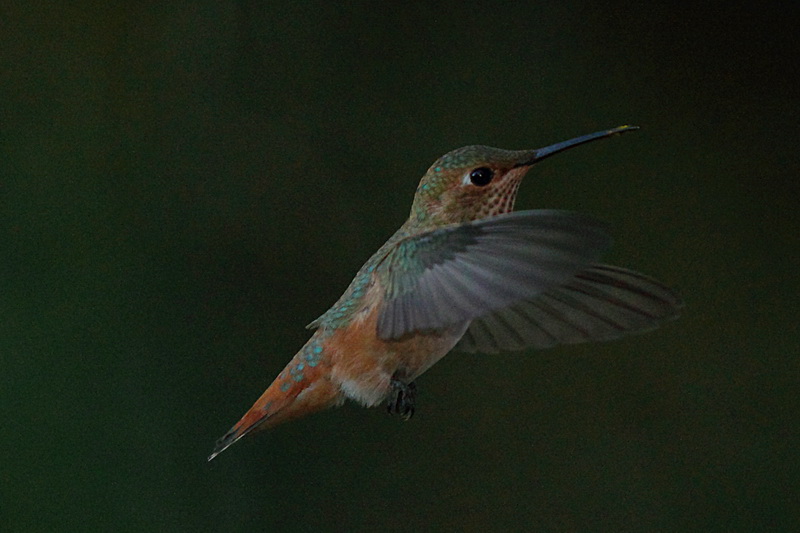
[185,185]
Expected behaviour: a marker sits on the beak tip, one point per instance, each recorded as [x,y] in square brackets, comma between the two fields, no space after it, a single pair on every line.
[624,128]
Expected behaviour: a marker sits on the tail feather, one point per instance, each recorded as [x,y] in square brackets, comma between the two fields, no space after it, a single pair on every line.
[298,390]
[261,412]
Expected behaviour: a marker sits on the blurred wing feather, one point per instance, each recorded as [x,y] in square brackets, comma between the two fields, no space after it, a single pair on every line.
[600,303]
[458,273]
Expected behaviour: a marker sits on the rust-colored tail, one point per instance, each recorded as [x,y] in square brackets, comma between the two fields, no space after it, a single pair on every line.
[300,389]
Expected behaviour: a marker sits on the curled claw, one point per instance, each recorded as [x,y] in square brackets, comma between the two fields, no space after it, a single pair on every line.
[402,398]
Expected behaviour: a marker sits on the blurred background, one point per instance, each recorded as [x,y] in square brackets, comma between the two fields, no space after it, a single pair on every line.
[185,185]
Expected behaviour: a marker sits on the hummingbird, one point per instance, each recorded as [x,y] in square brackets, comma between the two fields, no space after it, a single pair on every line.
[465,272]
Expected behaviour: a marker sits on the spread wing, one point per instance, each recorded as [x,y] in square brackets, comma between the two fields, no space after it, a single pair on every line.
[600,303]
[458,273]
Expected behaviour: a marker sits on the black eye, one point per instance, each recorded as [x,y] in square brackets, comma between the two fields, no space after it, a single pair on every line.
[481,176]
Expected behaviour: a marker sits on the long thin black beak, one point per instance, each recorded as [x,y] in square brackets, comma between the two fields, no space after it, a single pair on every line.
[537,155]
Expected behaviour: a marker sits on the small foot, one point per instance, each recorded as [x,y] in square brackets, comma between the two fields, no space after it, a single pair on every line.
[401,399]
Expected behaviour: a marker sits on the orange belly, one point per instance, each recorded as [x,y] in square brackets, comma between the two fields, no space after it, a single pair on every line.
[362,365]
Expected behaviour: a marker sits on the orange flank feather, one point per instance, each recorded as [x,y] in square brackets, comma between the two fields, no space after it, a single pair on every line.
[363,365]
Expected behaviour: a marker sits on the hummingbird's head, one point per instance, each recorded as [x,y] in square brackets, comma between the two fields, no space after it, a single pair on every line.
[476,182]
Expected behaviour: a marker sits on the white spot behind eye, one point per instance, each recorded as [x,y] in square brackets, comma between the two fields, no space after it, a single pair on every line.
[466,179]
